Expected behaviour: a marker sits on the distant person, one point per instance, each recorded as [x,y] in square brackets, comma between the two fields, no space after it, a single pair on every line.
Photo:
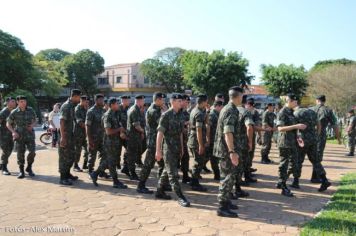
[351,132]
[54,123]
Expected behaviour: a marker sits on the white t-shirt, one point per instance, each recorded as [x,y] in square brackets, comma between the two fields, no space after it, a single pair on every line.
[54,117]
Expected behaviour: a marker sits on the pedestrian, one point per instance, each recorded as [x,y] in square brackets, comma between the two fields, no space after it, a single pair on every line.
[54,124]
[268,122]
[351,132]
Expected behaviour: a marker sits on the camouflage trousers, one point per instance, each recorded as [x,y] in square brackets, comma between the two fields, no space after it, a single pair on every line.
[199,162]
[98,147]
[134,152]
[7,145]
[311,152]
[289,159]
[21,146]
[109,160]
[266,144]
[351,139]
[81,144]
[245,168]
[123,143]
[170,171]
[149,163]
[229,175]
[66,156]
[321,145]
[214,161]
[251,154]
[184,162]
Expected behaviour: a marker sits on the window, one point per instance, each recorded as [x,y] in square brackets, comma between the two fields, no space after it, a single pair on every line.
[103,81]
[146,80]
[118,79]
[134,77]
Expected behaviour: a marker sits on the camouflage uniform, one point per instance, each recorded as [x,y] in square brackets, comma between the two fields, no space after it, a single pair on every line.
[93,121]
[171,126]
[325,116]
[184,162]
[66,154]
[197,120]
[122,114]
[245,119]
[352,135]
[134,143]
[6,141]
[20,120]
[256,120]
[267,121]
[287,143]
[310,138]
[228,123]
[213,122]
[152,118]
[80,114]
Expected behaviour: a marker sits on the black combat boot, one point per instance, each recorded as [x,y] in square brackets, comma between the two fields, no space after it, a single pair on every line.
[239,192]
[72,177]
[76,168]
[104,175]
[248,178]
[206,170]
[64,181]
[22,172]
[133,176]
[232,206]
[186,179]
[314,179]
[295,183]
[94,177]
[182,200]
[325,184]
[279,185]
[160,194]
[216,174]
[196,186]
[118,184]
[85,165]
[141,188]
[285,191]
[125,170]
[5,171]
[350,154]
[29,170]
[224,210]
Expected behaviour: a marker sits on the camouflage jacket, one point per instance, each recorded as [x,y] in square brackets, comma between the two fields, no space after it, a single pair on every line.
[5,133]
[171,125]
[80,114]
[152,118]
[352,121]
[122,113]
[245,119]
[93,121]
[268,118]
[287,139]
[197,119]
[134,117]
[185,117]
[325,116]
[228,122]
[110,120]
[213,122]
[310,119]
[66,113]
[21,119]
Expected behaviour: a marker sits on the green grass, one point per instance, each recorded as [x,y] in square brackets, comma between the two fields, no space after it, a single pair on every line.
[339,217]
[332,141]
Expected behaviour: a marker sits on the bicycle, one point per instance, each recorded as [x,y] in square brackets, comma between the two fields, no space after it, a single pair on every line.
[46,137]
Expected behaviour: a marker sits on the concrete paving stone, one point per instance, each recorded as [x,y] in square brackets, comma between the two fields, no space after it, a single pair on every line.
[147,220]
[195,223]
[206,231]
[127,225]
[153,227]
[106,231]
[177,229]
[170,222]
[136,232]
[269,228]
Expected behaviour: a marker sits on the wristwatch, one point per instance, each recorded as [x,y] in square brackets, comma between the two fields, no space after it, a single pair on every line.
[231,152]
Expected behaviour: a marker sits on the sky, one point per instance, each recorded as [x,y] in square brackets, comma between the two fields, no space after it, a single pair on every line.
[265,31]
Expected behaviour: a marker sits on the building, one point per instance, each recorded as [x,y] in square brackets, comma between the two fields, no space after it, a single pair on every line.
[121,79]
[261,96]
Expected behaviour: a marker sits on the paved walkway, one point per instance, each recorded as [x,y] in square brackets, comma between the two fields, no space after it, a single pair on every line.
[41,205]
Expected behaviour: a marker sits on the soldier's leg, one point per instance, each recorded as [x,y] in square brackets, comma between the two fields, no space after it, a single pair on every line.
[7,146]
[251,153]
[185,164]
[133,150]
[21,149]
[285,156]
[351,144]
[31,147]
[92,158]
[295,165]
[86,151]
[78,142]
[215,165]
[266,147]
[118,163]
[199,161]
[148,164]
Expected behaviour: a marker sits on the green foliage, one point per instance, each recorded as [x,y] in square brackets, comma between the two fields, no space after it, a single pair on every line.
[165,69]
[284,79]
[31,100]
[325,63]
[81,69]
[54,54]
[339,217]
[215,72]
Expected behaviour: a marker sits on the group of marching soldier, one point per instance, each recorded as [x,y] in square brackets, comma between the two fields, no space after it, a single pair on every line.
[224,134]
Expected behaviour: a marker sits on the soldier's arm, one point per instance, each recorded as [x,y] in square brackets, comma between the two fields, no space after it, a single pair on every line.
[199,128]
[79,117]
[88,122]
[108,127]
[283,128]
[163,124]
[208,129]
[136,122]
[9,123]
[64,112]
[318,127]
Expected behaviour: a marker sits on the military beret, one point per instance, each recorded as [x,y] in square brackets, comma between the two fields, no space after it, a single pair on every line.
[9,98]
[158,95]
[84,97]
[218,103]
[76,92]
[292,96]
[202,98]
[125,97]
[270,104]
[177,96]
[219,95]
[21,97]
[351,111]
[321,98]
[250,101]
[112,101]
[139,96]
[99,95]
[186,97]
[237,89]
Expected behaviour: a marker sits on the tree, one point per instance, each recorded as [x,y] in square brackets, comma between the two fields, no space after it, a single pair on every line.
[338,82]
[215,72]
[165,69]
[81,69]
[53,54]
[284,79]
[31,100]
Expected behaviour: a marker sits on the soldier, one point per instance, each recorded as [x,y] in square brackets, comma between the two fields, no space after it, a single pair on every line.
[287,142]
[268,118]
[80,114]
[351,132]
[153,115]
[112,127]
[309,146]
[106,104]
[136,135]
[66,150]
[170,129]
[21,122]
[226,148]
[95,132]
[122,113]
[213,121]
[220,97]
[184,162]
[6,141]
[326,117]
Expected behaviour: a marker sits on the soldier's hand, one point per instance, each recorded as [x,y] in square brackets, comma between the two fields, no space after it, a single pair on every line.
[63,142]
[15,135]
[234,158]
[158,156]
[29,128]
[91,145]
[250,146]
[268,129]
[142,136]
[201,150]
[301,126]
[123,135]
